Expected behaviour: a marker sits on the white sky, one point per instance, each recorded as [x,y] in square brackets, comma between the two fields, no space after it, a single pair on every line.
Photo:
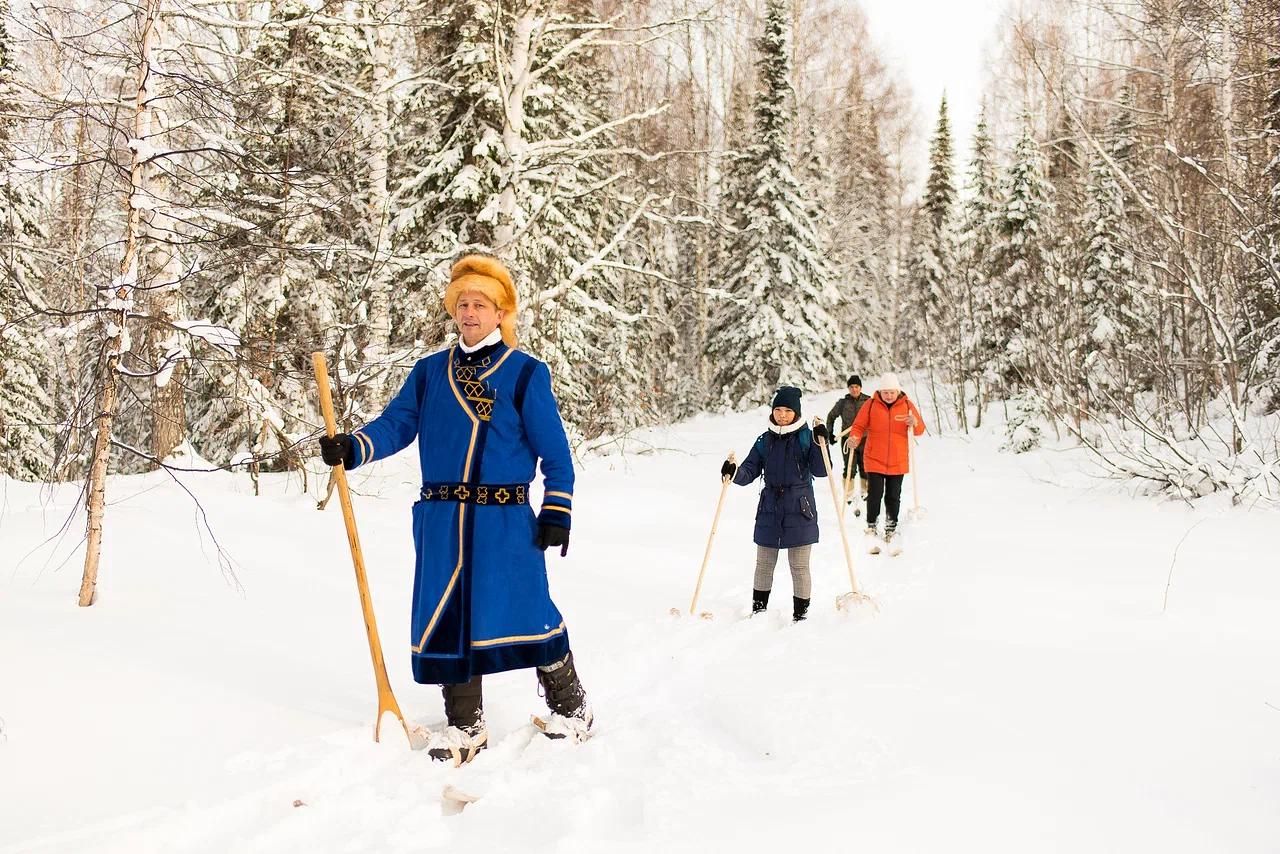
[937,46]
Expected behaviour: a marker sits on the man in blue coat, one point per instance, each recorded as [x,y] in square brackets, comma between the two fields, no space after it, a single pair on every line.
[483,415]
[788,459]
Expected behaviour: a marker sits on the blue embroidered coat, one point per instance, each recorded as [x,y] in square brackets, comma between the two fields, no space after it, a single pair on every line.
[483,421]
[787,514]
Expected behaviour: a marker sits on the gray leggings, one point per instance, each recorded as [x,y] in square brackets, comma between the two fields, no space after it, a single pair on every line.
[797,557]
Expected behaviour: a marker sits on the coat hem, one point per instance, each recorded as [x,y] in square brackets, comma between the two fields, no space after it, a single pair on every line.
[453,670]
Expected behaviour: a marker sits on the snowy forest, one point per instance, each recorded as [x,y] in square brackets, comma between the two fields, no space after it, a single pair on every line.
[699,199]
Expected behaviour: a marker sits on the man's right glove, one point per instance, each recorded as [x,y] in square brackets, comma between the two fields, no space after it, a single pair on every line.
[337,450]
[728,469]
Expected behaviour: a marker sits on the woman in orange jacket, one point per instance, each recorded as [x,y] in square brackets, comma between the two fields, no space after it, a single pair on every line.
[885,420]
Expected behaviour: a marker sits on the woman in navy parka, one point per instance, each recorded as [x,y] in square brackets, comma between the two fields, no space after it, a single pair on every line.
[788,457]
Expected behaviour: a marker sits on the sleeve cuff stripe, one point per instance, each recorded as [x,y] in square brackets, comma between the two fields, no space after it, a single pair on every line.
[560,495]
[565,510]
[366,447]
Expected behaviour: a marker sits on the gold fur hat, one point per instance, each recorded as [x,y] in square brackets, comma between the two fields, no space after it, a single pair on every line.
[486,275]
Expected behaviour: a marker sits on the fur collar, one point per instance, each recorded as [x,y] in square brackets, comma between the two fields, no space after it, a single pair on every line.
[790,428]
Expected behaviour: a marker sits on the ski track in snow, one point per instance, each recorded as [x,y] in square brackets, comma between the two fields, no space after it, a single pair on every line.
[1019,690]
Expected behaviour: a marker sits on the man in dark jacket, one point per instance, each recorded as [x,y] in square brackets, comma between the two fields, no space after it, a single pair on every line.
[846,409]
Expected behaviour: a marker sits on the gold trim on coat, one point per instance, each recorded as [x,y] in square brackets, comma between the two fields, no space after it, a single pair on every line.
[520,638]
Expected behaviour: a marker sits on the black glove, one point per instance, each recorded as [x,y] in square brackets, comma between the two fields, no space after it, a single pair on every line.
[728,469]
[821,434]
[553,535]
[337,450]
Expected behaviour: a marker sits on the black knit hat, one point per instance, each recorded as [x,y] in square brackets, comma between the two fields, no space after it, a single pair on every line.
[854,380]
[788,396]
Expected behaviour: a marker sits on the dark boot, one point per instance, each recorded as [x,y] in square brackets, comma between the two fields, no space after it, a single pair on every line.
[800,608]
[571,716]
[467,734]
[759,600]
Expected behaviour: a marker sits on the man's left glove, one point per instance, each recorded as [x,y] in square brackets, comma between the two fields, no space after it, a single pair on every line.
[820,433]
[553,535]
[337,450]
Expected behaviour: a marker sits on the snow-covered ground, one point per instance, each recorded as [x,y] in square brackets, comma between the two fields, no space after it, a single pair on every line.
[1022,688]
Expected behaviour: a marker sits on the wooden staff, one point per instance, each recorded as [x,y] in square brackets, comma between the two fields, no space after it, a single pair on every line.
[725,480]
[386,700]
[854,596]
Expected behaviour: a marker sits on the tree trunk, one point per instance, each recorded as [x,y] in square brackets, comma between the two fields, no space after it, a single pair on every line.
[513,86]
[169,414]
[378,331]
[97,486]
[114,317]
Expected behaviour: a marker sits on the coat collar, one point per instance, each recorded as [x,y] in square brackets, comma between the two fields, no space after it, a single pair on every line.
[489,340]
[790,428]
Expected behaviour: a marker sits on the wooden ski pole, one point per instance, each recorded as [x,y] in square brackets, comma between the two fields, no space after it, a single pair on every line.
[706,554]
[848,474]
[913,465]
[854,595]
[386,700]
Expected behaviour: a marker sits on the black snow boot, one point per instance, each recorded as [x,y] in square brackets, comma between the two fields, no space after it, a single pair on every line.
[800,609]
[467,734]
[567,700]
[759,600]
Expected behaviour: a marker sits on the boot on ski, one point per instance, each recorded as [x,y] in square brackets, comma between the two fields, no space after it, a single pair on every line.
[466,734]
[570,713]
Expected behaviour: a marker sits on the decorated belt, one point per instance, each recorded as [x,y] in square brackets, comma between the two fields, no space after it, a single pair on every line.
[477,493]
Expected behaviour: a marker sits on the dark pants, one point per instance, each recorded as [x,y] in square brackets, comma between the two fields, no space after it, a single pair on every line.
[888,487]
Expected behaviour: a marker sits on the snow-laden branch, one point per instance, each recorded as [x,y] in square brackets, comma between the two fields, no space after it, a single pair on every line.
[570,47]
[546,148]
[603,252]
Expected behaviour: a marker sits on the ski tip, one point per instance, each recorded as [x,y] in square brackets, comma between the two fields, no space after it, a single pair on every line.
[418,736]
[451,794]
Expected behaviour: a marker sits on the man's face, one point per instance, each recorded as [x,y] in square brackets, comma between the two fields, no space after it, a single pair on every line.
[889,394]
[855,390]
[476,316]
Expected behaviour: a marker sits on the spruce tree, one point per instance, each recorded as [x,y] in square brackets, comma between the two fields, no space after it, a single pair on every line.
[932,294]
[26,409]
[447,163]
[859,211]
[291,275]
[1021,266]
[519,165]
[1115,314]
[978,341]
[780,327]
